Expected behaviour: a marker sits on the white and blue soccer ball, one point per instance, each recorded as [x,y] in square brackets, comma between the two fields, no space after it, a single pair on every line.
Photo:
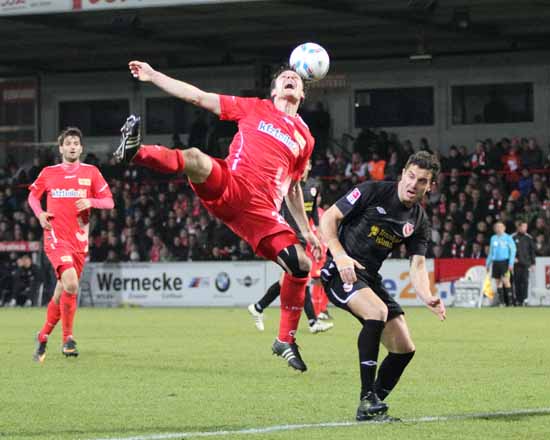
[310,61]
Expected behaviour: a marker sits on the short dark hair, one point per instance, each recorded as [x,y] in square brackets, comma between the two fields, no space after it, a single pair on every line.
[283,68]
[69,131]
[426,161]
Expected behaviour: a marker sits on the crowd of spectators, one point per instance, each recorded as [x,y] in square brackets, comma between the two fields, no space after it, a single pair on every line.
[158,218]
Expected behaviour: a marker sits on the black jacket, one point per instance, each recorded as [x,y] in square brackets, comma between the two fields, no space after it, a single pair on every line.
[525,249]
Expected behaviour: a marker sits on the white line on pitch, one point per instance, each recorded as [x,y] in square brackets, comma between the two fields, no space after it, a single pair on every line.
[278,428]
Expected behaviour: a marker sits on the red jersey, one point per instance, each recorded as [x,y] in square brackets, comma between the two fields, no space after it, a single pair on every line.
[64,186]
[271,148]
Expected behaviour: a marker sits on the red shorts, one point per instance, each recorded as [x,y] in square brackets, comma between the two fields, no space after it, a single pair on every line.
[63,258]
[251,215]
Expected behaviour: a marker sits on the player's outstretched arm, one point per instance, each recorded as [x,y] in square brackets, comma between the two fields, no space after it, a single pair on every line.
[421,284]
[174,87]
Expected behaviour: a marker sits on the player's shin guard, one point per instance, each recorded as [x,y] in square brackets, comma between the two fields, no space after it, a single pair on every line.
[68,310]
[390,372]
[161,159]
[53,314]
[368,344]
[293,291]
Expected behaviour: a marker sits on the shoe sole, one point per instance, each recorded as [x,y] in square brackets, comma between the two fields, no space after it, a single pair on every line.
[126,130]
[371,416]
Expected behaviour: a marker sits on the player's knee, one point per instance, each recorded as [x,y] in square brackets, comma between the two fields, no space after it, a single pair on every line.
[71,287]
[378,313]
[294,263]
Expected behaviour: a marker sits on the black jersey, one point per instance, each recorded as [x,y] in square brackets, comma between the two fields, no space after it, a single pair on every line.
[375,222]
[310,189]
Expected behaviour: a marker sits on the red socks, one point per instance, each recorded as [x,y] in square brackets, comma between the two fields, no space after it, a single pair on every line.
[68,310]
[161,159]
[293,293]
[318,298]
[52,318]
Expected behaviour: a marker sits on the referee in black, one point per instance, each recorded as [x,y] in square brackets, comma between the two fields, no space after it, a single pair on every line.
[525,260]
[361,230]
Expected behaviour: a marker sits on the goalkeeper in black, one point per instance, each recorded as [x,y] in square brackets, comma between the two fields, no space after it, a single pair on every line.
[362,229]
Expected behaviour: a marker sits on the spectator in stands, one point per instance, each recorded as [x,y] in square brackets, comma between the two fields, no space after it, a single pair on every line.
[476,251]
[532,156]
[178,250]
[525,184]
[542,248]
[26,281]
[376,167]
[478,159]
[357,166]
[244,251]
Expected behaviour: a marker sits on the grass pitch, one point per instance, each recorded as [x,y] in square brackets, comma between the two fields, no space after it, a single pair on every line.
[146,372]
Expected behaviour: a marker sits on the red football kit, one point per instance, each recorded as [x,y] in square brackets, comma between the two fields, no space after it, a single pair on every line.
[66,244]
[270,150]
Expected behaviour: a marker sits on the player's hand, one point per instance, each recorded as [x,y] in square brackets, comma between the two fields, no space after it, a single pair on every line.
[44,219]
[83,204]
[346,266]
[437,307]
[141,70]
[315,244]
[511,269]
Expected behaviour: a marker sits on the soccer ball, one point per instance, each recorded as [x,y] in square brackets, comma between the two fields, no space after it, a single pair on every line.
[310,61]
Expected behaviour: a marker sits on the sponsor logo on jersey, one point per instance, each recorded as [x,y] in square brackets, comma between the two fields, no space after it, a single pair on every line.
[408,229]
[381,210]
[70,177]
[85,182]
[276,133]
[70,193]
[353,196]
[66,259]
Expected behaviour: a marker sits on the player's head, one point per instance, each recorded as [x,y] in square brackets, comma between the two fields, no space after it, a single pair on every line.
[419,172]
[499,228]
[522,227]
[287,84]
[70,144]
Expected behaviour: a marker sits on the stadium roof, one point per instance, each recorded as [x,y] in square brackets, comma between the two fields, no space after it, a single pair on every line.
[265,31]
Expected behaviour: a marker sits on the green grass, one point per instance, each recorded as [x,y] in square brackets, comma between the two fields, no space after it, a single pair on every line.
[151,371]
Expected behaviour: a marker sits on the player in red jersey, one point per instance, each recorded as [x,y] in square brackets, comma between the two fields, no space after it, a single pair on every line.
[266,160]
[72,188]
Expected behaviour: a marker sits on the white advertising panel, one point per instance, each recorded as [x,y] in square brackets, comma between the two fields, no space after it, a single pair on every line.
[174,284]
[213,283]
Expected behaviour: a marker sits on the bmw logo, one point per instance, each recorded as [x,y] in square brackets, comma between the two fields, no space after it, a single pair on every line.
[223,282]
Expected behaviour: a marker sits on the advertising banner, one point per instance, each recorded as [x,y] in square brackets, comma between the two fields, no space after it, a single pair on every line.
[215,283]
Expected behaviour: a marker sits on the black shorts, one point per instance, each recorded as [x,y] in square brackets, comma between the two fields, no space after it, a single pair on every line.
[499,269]
[340,293]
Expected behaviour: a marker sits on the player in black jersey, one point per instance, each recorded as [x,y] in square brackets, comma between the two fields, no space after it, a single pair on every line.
[361,229]
[310,191]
